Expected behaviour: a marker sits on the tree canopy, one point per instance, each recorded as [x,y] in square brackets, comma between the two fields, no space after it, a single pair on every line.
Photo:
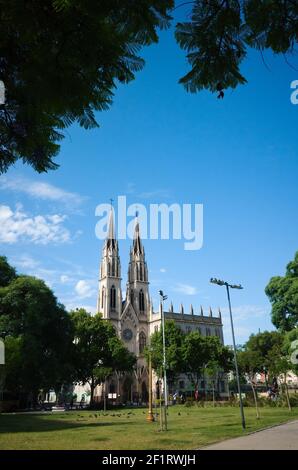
[283,295]
[204,354]
[98,350]
[189,353]
[174,342]
[38,337]
[7,272]
[61,60]
[46,347]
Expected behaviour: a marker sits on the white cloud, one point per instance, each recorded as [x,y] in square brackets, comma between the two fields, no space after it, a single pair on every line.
[185,289]
[74,305]
[64,279]
[163,270]
[41,190]
[246,312]
[26,262]
[17,226]
[247,319]
[84,288]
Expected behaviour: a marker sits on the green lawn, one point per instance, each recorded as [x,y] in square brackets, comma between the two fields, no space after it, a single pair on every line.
[189,428]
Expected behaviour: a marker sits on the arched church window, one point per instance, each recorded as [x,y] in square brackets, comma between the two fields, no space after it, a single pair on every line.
[141,273]
[113,267]
[141,301]
[142,342]
[113,297]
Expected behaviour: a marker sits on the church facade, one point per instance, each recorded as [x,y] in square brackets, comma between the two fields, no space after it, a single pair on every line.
[134,319]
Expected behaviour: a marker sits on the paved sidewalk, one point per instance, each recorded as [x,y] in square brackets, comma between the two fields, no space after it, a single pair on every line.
[282,437]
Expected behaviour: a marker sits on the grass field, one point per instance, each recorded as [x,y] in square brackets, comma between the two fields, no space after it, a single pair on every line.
[189,428]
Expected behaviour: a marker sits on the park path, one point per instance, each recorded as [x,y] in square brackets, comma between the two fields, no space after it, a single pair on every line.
[282,437]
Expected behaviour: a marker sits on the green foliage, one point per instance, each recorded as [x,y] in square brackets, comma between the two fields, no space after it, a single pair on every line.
[13,365]
[283,295]
[290,346]
[219,31]
[61,60]
[262,352]
[7,272]
[98,350]
[45,346]
[38,336]
[215,46]
[204,354]
[188,353]
[174,341]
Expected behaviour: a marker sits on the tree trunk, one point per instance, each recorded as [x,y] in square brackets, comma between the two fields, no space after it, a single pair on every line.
[92,388]
[287,392]
[255,399]
[104,396]
[213,393]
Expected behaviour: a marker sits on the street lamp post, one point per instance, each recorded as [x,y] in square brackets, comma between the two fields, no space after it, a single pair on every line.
[165,388]
[233,286]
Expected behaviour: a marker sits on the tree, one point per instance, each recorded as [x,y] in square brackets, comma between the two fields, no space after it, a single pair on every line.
[261,345]
[174,340]
[36,329]
[218,33]
[7,272]
[205,354]
[10,373]
[290,346]
[268,351]
[283,295]
[60,60]
[249,363]
[280,366]
[98,350]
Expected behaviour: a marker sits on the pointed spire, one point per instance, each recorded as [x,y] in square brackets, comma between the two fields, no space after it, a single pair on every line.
[202,313]
[210,312]
[191,309]
[111,230]
[181,309]
[171,307]
[219,312]
[137,244]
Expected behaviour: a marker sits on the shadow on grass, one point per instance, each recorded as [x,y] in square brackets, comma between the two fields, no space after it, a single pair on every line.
[39,423]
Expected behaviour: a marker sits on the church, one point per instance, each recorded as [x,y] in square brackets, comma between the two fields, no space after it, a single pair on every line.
[134,319]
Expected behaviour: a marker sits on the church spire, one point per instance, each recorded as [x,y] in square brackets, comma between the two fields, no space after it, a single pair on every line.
[137,246]
[138,274]
[111,230]
[110,294]
[137,270]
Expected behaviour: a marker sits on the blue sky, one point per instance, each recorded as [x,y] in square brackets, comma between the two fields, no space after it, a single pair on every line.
[158,144]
